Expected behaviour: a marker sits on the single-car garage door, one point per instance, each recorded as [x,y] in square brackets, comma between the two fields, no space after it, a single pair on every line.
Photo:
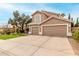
[58,30]
[35,30]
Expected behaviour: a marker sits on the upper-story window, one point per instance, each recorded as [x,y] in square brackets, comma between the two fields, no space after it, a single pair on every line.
[37,18]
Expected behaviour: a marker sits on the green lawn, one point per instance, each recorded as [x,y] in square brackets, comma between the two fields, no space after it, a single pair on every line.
[4,37]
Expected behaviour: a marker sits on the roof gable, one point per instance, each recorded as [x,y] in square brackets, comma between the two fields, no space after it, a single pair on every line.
[49,17]
[36,12]
[45,12]
[62,19]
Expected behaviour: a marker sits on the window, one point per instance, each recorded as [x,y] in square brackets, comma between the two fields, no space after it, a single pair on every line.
[37,18]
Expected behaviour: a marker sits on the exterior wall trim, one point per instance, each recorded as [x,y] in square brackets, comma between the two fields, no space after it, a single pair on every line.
[41,31]
[68,33]
[53,24]
[30,32]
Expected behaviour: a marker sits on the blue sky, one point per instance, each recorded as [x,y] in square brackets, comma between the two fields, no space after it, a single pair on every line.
[6,9]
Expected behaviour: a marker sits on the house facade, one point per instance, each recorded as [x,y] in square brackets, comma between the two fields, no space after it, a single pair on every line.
[49,24]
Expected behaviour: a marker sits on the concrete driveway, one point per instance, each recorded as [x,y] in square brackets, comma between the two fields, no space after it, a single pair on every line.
[33,45]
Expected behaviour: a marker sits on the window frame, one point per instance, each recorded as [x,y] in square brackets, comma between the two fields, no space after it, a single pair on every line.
[37,18]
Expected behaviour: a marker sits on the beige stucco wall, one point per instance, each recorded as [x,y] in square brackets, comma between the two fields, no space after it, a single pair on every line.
[43,17]
[51,14]
[56,21]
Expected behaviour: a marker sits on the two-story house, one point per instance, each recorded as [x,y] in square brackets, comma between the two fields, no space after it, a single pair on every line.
[49,24]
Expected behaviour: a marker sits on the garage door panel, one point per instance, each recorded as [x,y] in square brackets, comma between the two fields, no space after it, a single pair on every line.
[55,30]
[35,30]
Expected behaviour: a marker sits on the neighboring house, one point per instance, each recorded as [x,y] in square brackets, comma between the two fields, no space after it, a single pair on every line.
[9,26]
[49,24]
[5,27]
[1,29]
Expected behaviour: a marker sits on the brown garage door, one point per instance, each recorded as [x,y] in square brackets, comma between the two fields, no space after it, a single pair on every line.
[55,30]
[35,30]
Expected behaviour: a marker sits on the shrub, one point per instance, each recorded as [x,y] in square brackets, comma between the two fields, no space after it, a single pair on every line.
[6,31]
[76,35]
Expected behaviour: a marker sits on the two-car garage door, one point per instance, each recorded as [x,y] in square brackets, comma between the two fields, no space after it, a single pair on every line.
[60,30]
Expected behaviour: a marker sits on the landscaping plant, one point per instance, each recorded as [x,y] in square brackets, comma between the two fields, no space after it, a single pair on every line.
[76,35]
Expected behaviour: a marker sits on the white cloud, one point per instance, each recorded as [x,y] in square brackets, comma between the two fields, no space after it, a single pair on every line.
[6,6]
[27,8]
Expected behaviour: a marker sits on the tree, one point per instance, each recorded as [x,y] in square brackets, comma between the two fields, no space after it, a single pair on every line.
[16,14]
[69,17]
[10,21]
[19,21]
[77,23]
[72,24]
[62,14]
[26,26]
